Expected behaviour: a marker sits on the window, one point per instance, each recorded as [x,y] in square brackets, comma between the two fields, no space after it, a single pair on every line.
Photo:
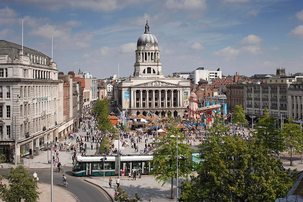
[8,131]
[1,92]
[8,92]
[8,111]
[1,130]
[148,70]
[1,111]
[1,72]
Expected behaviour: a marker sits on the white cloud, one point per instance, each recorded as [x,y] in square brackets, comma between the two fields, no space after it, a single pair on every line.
[235,1]
[186,4]
[253,13]
[251,40]
[298,31]
[128,48]
[252,49]
[197,45]
[7,16]
[104,51]
[228,52]
[95,5]
[300,15]
[251,44]
[63,34]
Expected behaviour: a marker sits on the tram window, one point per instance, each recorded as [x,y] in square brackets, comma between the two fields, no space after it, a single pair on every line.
[96,166]
[79,166]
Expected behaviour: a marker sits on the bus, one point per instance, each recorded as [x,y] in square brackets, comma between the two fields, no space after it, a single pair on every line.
[109,165]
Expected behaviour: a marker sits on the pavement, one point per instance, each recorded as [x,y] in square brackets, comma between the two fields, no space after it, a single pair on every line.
[146,187]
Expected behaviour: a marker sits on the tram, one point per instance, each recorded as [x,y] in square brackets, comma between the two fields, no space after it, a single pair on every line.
[109,165]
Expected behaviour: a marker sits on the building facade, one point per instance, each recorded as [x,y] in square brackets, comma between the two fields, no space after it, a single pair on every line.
[148,91]
[31,100]
[204,74]
[295,101]
[235,95]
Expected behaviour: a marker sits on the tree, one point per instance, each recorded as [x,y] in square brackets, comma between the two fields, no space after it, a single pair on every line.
[21,186]
[101,111]
[165,156]
[238,116]
[105,145]
[268,134]
[293,138]
[234,169]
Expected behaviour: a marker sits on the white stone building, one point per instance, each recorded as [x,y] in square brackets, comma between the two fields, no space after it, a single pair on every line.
[148,91]
[30,100]
[205,74]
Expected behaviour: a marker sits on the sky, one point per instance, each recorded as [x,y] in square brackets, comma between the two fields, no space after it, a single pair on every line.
[99,36]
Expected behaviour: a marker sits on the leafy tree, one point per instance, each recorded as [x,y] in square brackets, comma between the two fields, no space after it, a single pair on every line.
[105,145]
[238,116]
[268,134]
[21,186]
[165,156]
[293,138]
[218,129]
[101,111]
[122,196]
[234,169]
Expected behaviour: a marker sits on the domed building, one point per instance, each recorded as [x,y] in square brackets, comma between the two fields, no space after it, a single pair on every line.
[148,91]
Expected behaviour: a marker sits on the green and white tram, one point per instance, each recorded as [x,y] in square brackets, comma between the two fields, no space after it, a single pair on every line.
[109,166]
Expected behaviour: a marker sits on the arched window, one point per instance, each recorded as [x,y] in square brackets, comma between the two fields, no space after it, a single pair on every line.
[154,71]
[144,71]
[148,70]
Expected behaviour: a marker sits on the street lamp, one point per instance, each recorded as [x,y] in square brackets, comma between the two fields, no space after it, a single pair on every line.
[252,121]
[177,167]
[52,173]
[103,160]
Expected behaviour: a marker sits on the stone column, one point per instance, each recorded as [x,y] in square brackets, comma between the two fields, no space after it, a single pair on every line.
[153,99]
[131,98]
[147,99]
[135,98]
[159,99]
[37,143]
[178,98]
[165,100]
[172,98]
[140,100]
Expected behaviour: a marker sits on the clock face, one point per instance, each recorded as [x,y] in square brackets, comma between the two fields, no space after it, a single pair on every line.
[148,45]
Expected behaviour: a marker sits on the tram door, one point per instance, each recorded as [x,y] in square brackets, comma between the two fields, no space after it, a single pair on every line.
[88,169]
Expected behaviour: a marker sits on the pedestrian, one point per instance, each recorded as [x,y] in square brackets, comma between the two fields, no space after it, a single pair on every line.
[110,182]
[118,182]
[59,166]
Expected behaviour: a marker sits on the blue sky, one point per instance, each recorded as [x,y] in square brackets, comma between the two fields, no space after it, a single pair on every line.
[97,36]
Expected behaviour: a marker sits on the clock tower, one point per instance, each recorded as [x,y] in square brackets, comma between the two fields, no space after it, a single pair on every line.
[147,56]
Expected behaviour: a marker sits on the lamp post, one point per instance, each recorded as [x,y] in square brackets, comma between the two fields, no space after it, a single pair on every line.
[252,121]
[52,173]
[104,158]
[177,173]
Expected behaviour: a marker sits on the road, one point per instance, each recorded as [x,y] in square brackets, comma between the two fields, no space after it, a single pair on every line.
[84,191]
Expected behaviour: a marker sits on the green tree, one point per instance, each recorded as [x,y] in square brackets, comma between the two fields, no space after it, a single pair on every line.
[293,138]
[268,134]
[165,156]
[105,145]
[21,186]
[101,111]
[238,117]
[234,169]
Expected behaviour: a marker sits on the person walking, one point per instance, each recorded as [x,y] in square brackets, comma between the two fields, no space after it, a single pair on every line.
[110,182]
[118,182]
